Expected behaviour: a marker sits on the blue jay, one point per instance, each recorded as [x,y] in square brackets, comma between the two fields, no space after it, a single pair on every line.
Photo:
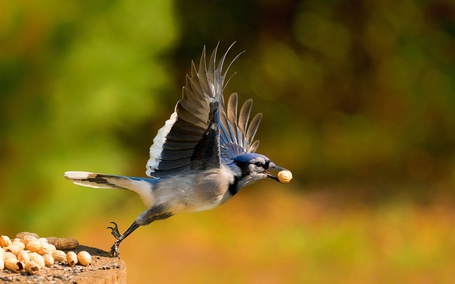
[202,156]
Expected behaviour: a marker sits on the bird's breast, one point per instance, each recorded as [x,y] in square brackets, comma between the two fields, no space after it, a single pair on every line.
[198,191]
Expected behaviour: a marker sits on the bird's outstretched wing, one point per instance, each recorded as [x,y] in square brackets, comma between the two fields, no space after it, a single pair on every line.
[237,134]
[190,137]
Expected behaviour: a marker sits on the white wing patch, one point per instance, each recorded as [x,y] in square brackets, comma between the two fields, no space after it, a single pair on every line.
[158,142]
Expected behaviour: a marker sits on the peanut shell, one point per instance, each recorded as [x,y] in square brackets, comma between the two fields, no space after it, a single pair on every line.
[23,256]
[48,260]
[34,256]
[14,248]
[43,249]
[13,264]
[33,245]
[63,243]
[9,254]
[43,240]
[84,258]
[32,267]
[21,235]
[71,258]
[26,238]
[59,256]
[284,176]
[5,241]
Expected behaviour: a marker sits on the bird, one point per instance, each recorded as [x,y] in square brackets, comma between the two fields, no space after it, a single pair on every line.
[202,156]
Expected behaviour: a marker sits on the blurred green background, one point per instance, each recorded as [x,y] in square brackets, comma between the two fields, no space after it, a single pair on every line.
[358,100]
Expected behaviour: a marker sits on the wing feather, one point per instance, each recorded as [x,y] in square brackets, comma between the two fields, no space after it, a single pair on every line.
[190,139]
[236,134]
[253,127]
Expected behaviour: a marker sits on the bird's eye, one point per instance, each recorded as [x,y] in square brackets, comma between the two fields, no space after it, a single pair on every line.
[258,164]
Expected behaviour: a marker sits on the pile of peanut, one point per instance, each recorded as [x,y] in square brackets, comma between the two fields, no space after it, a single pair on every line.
[28,252]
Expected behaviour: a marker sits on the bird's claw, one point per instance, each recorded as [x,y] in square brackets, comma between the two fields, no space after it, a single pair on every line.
[115,232]
[115,249]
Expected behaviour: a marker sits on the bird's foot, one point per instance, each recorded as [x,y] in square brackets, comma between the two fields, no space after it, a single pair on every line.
[115,249]
[120,237]
[115,232]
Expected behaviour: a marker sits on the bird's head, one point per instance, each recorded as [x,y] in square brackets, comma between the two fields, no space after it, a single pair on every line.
[255,167]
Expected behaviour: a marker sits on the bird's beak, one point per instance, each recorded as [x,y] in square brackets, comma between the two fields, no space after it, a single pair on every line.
[274,167]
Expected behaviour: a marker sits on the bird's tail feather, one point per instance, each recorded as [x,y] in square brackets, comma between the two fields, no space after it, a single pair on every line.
[142,186]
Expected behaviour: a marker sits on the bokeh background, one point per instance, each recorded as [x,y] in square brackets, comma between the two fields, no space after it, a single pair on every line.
[358,100]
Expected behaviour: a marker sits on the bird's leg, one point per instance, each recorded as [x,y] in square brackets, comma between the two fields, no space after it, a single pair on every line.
[115,232]
[156,212]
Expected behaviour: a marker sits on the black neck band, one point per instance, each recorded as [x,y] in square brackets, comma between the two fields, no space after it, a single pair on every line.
[234,187]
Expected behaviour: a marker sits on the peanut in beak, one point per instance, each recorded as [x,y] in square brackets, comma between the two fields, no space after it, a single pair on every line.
[284,176]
